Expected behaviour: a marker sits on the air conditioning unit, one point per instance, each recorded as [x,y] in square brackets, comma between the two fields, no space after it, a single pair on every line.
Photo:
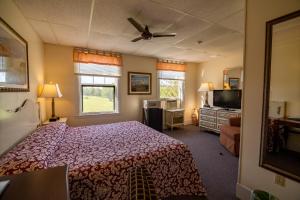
[152,104]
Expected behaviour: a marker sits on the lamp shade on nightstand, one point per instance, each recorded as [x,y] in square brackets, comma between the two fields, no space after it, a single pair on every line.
[206,87]
[51,91]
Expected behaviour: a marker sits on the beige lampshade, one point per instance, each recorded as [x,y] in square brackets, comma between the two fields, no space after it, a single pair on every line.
[51,91]
[205,87]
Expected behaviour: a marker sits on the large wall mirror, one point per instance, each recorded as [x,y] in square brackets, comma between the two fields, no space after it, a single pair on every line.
[280,147]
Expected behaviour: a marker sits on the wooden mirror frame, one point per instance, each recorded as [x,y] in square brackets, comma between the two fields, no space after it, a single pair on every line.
[266,95]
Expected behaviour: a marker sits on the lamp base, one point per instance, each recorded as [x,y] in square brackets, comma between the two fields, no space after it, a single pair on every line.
[53,119]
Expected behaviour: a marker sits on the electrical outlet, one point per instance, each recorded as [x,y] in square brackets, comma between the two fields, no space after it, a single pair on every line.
[279,180]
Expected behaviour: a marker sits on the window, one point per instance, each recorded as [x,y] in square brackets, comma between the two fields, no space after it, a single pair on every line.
[3,66]
[98,77]
[99,94]
[171,84]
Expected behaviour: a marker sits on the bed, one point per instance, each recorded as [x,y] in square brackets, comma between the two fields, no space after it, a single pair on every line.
[99,158]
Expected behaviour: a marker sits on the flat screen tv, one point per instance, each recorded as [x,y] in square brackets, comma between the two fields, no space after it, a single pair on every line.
[227,98]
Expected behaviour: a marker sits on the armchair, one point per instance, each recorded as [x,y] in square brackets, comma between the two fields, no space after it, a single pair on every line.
[230,135]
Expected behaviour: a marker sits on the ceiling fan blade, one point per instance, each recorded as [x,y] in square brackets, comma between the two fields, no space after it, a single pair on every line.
[163,34]
[137,39]
[136,25]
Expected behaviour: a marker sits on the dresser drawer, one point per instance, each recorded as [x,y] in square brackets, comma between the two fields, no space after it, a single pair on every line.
[207,124]
[227,115]
[208,118]
[208,112]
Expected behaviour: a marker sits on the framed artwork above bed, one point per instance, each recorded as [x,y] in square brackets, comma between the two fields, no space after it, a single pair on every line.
[14,73]
[139,83]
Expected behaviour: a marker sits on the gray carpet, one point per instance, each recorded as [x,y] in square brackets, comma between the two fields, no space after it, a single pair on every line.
[217,167]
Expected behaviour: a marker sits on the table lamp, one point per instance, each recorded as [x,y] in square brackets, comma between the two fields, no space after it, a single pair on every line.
[206,87]
[51,90]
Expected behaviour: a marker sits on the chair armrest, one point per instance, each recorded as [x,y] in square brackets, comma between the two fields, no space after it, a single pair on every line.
[235,121]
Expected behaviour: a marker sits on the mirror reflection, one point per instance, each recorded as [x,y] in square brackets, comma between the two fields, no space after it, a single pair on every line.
[282,132]
[233,78]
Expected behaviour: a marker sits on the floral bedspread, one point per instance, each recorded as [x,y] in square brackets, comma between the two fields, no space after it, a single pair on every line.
[100,157]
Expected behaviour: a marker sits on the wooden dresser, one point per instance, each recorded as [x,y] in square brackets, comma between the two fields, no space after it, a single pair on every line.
[212,118]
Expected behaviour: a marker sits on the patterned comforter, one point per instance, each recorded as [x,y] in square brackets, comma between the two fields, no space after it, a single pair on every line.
[100,157]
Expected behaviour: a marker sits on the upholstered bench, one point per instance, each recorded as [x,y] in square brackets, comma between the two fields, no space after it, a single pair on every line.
[230,135]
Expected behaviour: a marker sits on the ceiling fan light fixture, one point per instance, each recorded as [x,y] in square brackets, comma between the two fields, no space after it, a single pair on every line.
[145,33]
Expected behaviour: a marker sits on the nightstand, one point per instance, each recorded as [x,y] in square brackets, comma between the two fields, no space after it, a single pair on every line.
[51,183]
[61,120]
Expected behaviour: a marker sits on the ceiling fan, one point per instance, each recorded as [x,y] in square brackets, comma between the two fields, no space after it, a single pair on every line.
[145,33]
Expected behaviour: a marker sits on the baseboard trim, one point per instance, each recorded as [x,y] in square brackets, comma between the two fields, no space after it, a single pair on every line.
[243,192]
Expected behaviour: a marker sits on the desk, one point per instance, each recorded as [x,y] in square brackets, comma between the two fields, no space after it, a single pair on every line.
[279,132]
[47,184]
[288,122]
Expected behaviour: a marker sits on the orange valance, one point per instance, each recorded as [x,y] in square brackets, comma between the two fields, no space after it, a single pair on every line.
[170,66]
[96,57]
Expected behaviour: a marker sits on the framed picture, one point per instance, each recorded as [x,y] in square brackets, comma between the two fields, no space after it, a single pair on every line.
[139,83]
[14,74]
[234,83]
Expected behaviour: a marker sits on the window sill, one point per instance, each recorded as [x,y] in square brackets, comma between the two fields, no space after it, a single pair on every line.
[98,114]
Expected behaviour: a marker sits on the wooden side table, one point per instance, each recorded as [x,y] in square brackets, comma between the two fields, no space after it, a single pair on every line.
[175,118]
[51,183]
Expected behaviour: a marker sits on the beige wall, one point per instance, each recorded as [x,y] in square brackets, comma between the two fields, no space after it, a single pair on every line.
[191,93]
[11,134]
[11,14]
[251,175]
[59,69]
[212,71]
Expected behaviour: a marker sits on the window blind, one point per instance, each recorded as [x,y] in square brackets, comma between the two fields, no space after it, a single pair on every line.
[97,70]
[96,63]
[174,75]
[167,69]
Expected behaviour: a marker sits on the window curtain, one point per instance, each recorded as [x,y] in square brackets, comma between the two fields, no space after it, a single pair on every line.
[96,57]
[170,66]
[96,63]
[170,70]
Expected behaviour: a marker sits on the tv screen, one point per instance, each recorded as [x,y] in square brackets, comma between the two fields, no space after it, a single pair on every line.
[227,98]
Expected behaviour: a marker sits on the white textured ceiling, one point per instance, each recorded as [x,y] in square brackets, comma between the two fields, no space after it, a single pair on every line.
[103,25]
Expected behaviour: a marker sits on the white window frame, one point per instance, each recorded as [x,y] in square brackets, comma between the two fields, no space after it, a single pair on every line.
[183,88]
[116,99]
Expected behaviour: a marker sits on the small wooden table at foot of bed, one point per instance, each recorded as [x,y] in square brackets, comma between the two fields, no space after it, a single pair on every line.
[51,183]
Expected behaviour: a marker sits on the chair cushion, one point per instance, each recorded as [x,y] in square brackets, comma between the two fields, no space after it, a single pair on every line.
[232,132]
[235,121]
